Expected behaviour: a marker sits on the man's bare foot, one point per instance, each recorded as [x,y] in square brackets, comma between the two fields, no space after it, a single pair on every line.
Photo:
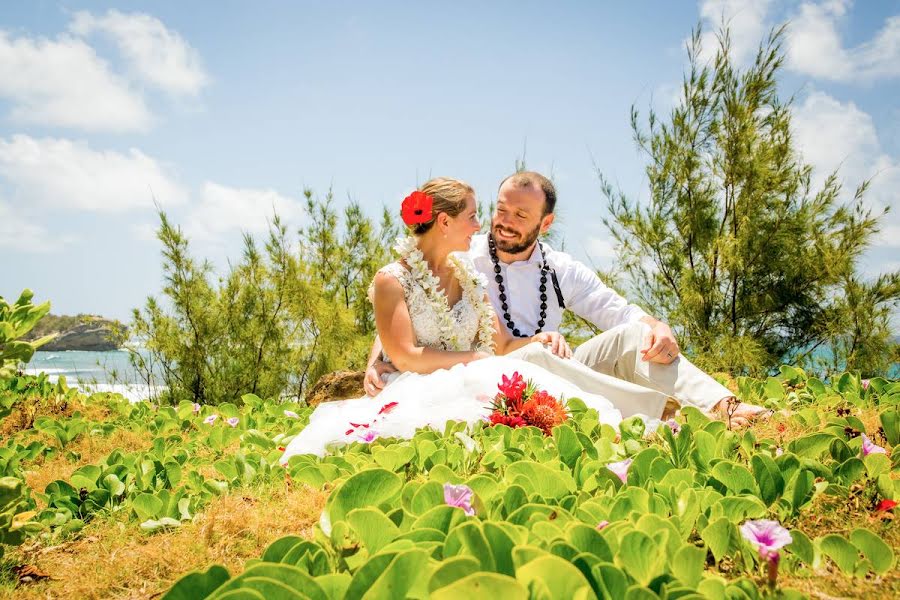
[738,414]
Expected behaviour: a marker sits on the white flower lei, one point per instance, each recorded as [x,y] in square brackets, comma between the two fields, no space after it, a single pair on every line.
[472,284]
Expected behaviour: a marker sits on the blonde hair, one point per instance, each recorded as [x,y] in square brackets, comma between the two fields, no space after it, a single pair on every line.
[448,195]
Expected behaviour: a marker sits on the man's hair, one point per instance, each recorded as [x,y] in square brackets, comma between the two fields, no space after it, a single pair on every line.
[525,179]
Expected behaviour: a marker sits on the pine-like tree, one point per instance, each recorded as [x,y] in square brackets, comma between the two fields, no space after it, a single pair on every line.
[734,248]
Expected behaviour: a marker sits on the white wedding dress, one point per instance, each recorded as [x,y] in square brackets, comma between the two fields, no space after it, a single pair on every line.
[411,401]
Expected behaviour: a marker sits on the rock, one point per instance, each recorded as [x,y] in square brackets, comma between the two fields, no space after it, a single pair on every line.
[95,336]
[339,385]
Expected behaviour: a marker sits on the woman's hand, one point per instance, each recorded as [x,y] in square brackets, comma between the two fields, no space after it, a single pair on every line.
[372,382]
[556,341]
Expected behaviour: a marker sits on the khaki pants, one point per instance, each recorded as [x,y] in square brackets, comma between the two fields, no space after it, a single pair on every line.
[610,365]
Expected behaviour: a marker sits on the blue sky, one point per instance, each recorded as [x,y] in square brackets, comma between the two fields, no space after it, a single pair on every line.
[226,109]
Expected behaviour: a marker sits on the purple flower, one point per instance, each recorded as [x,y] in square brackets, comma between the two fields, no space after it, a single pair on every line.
[620,469]
[870,447]
[210,419]
[459,496]
[674,426]
[368,436]
[601,525]
[196,408]
[291,414]
[233,421]
[768,537]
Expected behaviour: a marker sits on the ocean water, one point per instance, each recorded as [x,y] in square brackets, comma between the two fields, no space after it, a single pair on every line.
[94,372]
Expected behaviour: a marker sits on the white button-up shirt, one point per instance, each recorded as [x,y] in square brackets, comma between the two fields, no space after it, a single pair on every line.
[583,292]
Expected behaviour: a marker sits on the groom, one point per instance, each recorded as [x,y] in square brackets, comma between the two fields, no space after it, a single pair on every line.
[530,285]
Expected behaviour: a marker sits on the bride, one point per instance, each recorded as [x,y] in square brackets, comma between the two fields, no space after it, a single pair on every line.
[441,332]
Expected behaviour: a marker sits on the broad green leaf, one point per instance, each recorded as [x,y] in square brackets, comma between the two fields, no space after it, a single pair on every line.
[812,445]
[688,565]
[562,579]
[844,554]
[735,477]
[768,477]
[640,557]
[147,506]
[718,535]
[802,547]
[373,527]
[370,487]
[890,422]
[198,584]
[873,548]
[453,569]
[483,585]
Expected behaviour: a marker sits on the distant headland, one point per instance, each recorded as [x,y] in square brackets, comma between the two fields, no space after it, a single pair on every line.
[80,332]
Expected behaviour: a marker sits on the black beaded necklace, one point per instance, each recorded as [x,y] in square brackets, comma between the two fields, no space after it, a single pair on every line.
[492,247]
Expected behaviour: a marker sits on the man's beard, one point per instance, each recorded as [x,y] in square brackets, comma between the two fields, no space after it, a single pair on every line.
[511,246]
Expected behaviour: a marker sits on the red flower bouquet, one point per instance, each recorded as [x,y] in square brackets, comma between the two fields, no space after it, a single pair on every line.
[519,403]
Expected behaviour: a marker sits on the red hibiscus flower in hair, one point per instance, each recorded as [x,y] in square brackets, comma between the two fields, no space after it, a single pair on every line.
[416,208]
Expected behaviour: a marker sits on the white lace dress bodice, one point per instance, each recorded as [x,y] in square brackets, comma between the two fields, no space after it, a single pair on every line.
[425,320]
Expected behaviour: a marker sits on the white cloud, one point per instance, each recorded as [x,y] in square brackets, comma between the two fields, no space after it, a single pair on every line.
[746,21]
[224,209]
[63,82]
[145,232]
[19,234]
[65,174]
[815,47]
[834,135]
[156,54]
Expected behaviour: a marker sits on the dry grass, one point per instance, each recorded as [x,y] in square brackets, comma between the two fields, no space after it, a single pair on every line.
[114,559]
[91,449]
[25,411]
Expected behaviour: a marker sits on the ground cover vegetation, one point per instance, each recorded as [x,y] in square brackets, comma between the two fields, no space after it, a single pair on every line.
[588,511]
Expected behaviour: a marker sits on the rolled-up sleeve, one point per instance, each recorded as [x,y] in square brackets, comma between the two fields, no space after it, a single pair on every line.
[591,299]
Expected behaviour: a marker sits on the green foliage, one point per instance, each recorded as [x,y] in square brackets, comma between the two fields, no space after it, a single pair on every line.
[16,321]
[387,531]
[277,320]
[541,504]
[735,249]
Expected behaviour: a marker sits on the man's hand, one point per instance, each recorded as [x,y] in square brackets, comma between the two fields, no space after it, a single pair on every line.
[659,344]
[557,343]
[372,382]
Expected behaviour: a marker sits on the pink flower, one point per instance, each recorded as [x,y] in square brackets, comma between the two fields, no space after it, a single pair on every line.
[620,469]
[368,436]
[870,447]
[233,421]
[601,525]
[768,537]
[674,426]
[459,496]
[865,384]
[778,451]
[196,408]
[291,414]
[210,419]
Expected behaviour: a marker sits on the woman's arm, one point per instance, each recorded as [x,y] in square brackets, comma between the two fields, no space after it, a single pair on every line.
[395,330]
